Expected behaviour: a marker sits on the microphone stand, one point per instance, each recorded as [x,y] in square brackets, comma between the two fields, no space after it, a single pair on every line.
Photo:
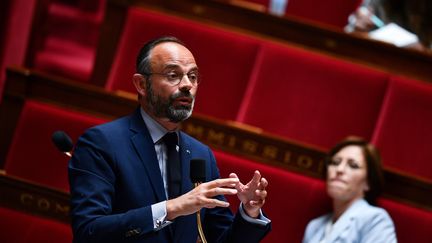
[200,230]
[198,175]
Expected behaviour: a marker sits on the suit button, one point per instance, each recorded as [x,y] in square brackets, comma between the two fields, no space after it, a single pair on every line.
[133,232]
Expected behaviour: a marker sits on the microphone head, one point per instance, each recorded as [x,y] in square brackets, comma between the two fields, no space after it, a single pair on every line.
[198,170]
[62,141]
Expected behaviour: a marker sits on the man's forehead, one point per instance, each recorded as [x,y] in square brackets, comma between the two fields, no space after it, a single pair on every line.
[171,48]
[171,54]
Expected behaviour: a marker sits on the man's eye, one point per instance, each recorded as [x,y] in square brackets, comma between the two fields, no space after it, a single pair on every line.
[172,76]
[193,76]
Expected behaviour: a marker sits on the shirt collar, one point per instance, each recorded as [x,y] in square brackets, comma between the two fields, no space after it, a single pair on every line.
[157,131]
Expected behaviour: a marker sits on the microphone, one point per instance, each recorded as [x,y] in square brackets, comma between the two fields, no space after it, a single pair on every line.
[197,171]
[198,176]
[63,142]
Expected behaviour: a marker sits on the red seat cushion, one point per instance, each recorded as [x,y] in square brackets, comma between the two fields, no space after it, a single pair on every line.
[32,155]
[312,98]
[292,201]
[66,58]
[403,133]
[69,39]
[225,59]
[412,224]
[19,227]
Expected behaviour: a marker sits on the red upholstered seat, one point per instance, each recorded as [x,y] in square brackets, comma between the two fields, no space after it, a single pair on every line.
[225,59]
[412,224]
[292,201]
[403,132]
[18,227]
[71,33]
[32,155]
[66,58]
[16,19]
[312,98]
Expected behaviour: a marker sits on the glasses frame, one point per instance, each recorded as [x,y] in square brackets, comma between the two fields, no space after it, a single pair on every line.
[176,81]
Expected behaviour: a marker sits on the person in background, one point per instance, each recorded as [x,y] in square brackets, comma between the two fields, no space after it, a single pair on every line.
[412,15]
[129,178]
[353,182]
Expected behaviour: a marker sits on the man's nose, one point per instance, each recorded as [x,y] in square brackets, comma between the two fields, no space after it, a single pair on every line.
[185,83]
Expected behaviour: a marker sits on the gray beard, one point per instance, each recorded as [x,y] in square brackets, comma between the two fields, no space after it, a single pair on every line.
[165,108]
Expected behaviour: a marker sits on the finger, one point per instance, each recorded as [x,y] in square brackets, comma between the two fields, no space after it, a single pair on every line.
[262,194]
[221,191]
[226,182]
[212,203]
[263,183]
[239,185]
[256,177]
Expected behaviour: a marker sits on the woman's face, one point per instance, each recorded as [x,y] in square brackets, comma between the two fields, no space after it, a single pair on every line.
[347,174]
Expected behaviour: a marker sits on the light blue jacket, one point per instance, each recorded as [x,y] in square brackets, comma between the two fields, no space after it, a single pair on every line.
[361,223]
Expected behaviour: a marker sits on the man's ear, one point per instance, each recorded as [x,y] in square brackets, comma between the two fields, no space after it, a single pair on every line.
[139,83]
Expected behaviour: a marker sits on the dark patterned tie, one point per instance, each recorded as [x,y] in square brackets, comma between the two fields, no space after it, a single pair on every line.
[173,165]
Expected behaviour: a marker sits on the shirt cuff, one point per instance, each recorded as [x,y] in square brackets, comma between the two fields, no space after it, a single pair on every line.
[261,220]
[159,216]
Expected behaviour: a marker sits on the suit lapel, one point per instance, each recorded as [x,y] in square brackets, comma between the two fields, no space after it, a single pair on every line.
[144,148]
[185,157]
[344,223]
[183,224]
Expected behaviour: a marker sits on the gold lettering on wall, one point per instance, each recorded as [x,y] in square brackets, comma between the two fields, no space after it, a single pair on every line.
[255,148]
[26,199]
[63,209]
[215,137]
[232,141]
[270,152]
[249,146]
[43,204]
[195,131]
[287,157]
[304,161]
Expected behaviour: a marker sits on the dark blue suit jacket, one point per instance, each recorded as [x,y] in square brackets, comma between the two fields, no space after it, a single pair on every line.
[115,178]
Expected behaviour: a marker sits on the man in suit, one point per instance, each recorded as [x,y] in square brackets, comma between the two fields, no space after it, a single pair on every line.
[121,175]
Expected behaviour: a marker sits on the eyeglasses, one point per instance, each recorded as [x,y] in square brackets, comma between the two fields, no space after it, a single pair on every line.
[175,78]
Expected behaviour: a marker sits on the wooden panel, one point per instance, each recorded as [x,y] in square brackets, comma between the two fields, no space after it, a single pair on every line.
[34,199]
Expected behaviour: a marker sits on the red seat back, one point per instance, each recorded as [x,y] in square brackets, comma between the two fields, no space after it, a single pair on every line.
[312,98]
[32,155]
[412,224]
[403,133]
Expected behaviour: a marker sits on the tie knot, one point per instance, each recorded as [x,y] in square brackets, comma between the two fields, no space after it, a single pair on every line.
[170,139]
